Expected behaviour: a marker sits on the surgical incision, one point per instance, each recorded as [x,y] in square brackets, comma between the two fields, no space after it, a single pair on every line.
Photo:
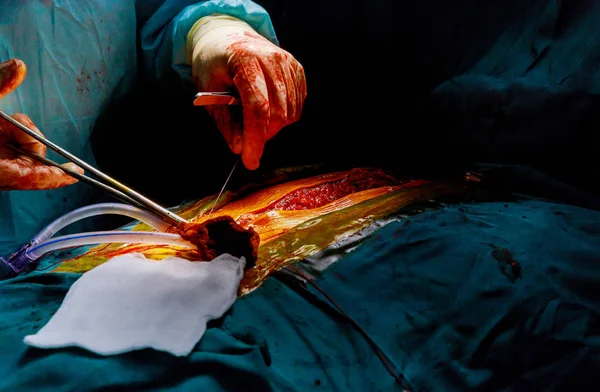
[292,220]
[279,208]
[238,235]
[319,195]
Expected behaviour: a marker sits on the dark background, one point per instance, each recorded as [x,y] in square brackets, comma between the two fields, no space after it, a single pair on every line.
[370,69]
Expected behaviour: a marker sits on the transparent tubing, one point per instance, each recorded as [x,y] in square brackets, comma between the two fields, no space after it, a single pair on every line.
[99,209]
[105,237]
[43,242]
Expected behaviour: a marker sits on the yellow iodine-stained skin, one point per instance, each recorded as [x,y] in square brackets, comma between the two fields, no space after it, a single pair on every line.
[294,219]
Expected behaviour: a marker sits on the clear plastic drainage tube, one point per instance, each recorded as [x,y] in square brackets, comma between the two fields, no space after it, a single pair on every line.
[24,257]
[99,209]
[104,237]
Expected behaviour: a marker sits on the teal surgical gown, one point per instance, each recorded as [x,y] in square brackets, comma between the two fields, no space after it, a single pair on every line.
[80,55]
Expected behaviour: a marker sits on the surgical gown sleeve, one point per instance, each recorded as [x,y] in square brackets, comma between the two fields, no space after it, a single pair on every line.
[163,36]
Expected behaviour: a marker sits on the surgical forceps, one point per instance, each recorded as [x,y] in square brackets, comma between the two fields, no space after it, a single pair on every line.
[114,187]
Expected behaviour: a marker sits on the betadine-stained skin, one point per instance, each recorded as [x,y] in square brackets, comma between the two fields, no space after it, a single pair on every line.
[282,223]
[223,234]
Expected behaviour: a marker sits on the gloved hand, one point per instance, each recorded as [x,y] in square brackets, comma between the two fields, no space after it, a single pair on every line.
[226,52]
[18,172]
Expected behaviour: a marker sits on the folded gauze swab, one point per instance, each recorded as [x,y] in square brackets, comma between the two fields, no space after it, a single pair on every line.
[131,303]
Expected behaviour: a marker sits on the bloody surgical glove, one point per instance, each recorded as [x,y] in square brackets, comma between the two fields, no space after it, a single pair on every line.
[226,52]
[18,172]
[12,74]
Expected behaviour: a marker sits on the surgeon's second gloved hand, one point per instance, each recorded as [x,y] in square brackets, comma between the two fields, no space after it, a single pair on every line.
[18,172]
[226,53]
